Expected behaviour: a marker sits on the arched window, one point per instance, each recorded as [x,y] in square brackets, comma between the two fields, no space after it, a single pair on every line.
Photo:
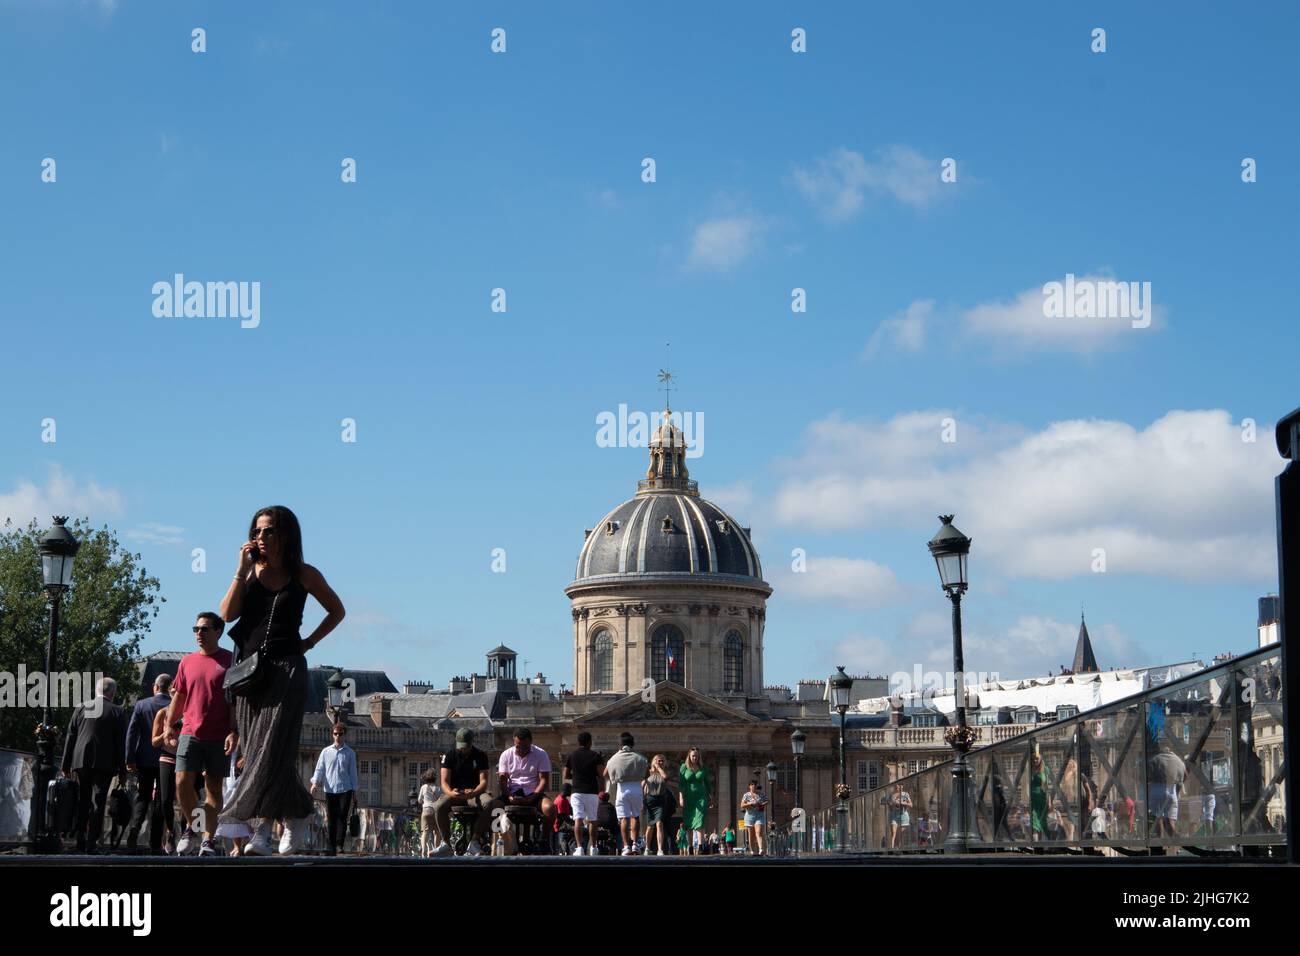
[668,655]
[733,663]
[602,661]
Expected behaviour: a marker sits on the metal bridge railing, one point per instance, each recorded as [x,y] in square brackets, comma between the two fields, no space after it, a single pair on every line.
[1193,766]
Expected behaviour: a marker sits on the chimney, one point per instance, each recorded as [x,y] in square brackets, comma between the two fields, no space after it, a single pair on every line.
[895,714]
[381,710]
[1269,616]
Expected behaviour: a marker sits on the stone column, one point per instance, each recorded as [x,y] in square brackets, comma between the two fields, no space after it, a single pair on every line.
[723,787]
[715,650]
[579,687]
[625,681]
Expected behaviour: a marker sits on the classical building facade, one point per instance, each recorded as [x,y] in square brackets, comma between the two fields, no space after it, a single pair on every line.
[668,587]
[668,606]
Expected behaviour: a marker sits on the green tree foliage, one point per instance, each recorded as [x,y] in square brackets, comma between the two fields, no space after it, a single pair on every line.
[103,617]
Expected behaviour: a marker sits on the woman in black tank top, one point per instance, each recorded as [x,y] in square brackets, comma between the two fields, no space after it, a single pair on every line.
[267,598]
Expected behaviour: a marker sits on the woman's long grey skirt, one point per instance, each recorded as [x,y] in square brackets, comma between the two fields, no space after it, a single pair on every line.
[270,729]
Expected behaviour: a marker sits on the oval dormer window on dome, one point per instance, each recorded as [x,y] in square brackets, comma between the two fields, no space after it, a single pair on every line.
[611,527]
[667,526]
[723,527]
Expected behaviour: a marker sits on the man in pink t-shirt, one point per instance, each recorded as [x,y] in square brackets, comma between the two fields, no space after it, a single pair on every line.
[524,771]
[207,735]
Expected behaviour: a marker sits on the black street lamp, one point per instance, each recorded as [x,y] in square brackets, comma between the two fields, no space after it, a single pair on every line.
[337,687]
[798,740]
[841,691]
[950,548]
[57,548]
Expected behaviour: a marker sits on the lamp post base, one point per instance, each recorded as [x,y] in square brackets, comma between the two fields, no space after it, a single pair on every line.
[842,827]
[43,842]
[962,834]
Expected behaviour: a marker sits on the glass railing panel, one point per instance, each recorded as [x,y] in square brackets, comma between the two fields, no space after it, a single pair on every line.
[1188,741]
[929,812]
[1053,785]
[1110,761]
[1260,763]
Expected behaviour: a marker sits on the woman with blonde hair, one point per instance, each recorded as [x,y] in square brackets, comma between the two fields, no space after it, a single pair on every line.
[696,792]
[657,804]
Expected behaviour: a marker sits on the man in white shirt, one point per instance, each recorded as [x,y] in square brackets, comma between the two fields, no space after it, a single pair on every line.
[625,770]
[337,771]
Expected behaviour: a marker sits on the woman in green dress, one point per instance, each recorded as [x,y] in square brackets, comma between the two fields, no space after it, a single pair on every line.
[696,794]
[1038,793]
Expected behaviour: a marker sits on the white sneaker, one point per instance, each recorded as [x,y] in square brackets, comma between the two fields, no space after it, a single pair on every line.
[442,849]
[474,849]
[260,844]
[660,852]
[627,851]
[577,851]
[295,831]
[188,843]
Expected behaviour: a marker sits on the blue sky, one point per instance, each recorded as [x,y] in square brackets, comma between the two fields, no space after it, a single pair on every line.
[774,171]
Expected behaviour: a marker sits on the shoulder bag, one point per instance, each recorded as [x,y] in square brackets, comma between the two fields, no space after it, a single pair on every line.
[250,675]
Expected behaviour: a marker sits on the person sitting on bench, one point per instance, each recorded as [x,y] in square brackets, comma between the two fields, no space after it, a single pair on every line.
[523,771]
[464,784]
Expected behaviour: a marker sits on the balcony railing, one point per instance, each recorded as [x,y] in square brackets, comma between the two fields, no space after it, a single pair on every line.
[1196,765]
[688,485]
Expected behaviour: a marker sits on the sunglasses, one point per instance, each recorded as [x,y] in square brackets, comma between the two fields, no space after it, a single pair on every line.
[199,628]
[260,532]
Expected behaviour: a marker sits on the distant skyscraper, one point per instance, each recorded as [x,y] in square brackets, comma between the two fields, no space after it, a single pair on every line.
[1268,620]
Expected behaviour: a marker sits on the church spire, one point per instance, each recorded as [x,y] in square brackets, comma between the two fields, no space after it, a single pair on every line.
[1085,661]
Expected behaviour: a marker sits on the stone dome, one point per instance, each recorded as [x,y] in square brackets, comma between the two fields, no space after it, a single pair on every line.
[663,533]
[668,531]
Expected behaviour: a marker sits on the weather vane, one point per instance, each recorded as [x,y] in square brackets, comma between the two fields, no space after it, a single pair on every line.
[666,377]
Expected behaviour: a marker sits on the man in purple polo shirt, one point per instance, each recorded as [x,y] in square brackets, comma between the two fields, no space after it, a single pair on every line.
[524,771]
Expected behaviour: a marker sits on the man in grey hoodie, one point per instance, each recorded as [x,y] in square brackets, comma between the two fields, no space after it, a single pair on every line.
[625,770]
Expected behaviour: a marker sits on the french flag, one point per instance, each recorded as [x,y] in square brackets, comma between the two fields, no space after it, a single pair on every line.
[672,660]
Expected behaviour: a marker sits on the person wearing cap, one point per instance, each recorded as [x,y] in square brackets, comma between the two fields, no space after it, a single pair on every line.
[336,770]
[464,782]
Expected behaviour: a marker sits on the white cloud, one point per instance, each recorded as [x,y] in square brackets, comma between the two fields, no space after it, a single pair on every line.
[855,582]
[1020,325]
[151,532]
[105,8]
[903,331]
[839,184]
[1012,326]
[1184,496]
[736,498]
[723,243]
[61,495]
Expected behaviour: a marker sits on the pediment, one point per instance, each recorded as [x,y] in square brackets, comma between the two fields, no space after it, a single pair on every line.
[669,702]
